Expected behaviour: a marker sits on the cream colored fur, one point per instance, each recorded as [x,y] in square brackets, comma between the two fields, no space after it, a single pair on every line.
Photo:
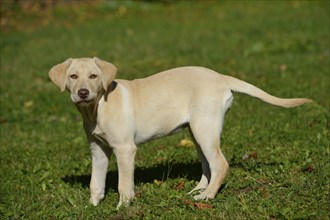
[119,114]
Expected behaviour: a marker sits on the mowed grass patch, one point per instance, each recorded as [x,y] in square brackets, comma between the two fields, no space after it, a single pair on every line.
[278,157]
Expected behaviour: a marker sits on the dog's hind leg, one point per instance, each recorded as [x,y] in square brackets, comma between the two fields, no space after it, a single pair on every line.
[206,126]
[206,175]
[209,141]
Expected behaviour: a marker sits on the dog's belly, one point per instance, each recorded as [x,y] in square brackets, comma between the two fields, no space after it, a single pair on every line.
[144,136]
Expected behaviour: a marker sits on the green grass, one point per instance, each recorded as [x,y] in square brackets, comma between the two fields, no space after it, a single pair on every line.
[282,47]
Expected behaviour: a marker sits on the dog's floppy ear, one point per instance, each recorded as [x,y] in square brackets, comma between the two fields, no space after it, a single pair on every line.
[109,71]
[57,74]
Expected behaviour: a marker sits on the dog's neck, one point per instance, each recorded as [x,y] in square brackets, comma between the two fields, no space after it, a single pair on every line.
[89,112]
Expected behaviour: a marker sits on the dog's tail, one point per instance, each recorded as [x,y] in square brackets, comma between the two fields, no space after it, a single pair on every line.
[244,87]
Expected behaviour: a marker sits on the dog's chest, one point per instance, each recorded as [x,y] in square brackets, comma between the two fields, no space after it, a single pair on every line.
[99,134]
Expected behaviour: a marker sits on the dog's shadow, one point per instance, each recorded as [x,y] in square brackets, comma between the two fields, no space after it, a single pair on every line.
[190,171]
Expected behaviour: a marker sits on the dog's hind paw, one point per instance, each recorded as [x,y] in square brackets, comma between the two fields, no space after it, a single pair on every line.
[196,190]
[202,196]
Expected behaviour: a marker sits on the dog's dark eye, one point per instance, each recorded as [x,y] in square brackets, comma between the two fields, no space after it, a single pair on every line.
[92,76]
[73,76]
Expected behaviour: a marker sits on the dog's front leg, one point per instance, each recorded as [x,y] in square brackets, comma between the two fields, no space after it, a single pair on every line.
[100,161]
[125,160]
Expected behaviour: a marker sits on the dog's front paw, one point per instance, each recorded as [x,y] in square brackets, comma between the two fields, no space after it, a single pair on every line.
[125,199]
[95,199]
[125,203]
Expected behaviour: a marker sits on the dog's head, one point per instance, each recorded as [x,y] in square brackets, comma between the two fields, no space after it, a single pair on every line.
[84,78]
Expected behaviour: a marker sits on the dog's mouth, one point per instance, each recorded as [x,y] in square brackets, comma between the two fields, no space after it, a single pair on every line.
[84,102]
[83,99]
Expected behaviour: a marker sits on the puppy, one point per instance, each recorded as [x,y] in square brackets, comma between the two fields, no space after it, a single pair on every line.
[119,114]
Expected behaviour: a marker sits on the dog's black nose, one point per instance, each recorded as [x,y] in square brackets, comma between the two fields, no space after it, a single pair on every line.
[83,93]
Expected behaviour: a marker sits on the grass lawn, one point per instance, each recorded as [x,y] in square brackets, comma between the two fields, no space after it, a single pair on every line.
[279,158]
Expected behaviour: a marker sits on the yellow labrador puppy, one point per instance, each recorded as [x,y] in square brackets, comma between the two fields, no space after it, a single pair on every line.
[119,114]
